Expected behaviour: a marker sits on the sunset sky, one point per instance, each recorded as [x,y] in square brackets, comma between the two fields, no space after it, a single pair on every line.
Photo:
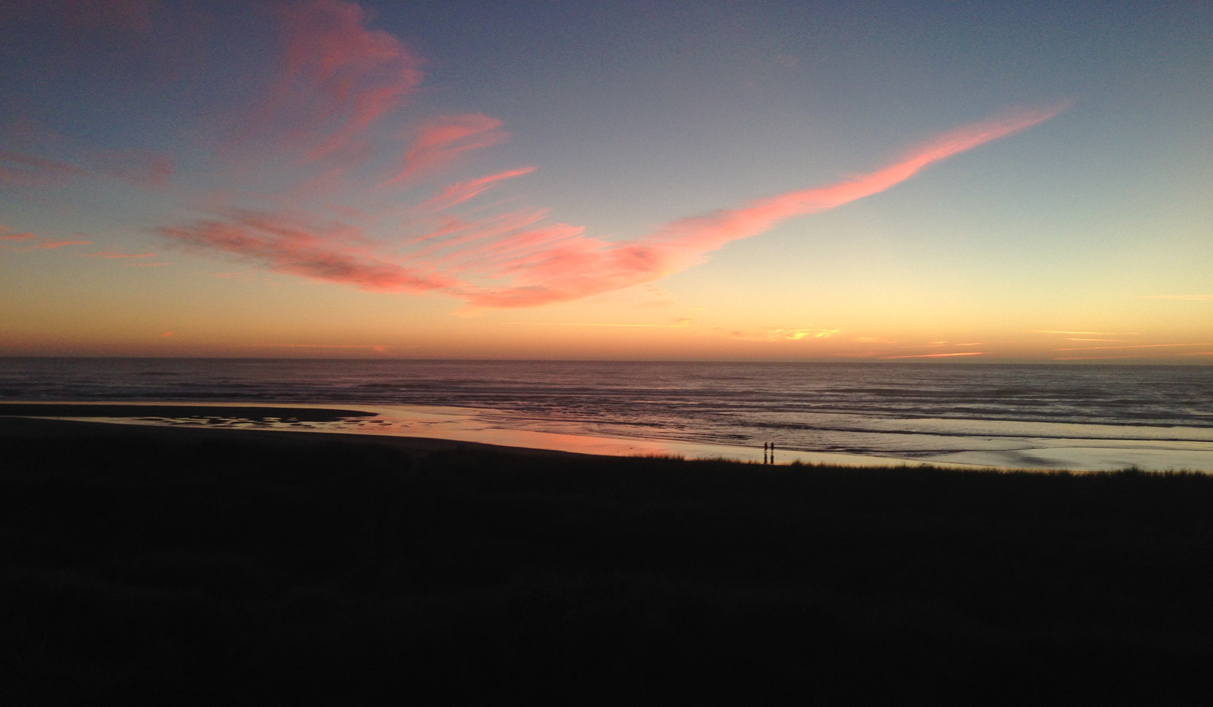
[753,180]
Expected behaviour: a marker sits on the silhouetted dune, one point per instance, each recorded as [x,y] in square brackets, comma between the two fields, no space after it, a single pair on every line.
[202,566]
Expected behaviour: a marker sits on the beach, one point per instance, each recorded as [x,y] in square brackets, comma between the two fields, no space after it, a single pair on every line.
[1041,417]
[428,426]
[243,566]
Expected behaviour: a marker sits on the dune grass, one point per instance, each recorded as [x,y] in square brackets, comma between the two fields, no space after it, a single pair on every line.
[198,566]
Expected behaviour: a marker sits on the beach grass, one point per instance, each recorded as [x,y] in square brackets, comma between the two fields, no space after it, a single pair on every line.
[219,566]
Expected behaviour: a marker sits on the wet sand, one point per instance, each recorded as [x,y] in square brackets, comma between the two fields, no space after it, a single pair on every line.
[417,428]
[995,444]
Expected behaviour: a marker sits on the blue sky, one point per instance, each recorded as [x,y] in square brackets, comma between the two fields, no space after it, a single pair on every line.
[297,208]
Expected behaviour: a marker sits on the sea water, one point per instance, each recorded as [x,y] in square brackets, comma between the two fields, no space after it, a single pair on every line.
[1040,416]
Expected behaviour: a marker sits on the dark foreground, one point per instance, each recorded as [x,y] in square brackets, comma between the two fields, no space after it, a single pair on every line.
[205,567]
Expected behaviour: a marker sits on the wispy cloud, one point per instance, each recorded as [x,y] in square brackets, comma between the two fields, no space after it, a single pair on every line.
[1133,346]
[17,237]
[939,355]
[1091,333]
[575,267]
[1098,358]
[330,252]
[514,260]
[783,334]
[462,191]
[52,245]
[441,140]
[336,78]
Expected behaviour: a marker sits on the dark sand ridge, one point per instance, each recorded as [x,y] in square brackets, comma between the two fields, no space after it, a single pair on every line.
[37,427]
[202,566]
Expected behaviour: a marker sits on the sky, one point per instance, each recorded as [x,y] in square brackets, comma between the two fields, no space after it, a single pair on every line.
[859,181]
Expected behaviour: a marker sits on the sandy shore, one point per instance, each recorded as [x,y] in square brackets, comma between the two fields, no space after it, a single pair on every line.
[417,428]
[433,427]
[85,430]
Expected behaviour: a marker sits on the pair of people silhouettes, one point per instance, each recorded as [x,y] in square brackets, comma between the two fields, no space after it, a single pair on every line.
[768,452]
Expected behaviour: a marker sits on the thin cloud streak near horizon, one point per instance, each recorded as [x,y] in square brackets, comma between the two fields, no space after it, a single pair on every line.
[938,355]
[51,245]
[1093,333]
[1134,346]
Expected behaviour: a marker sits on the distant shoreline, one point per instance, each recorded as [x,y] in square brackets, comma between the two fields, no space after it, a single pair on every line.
[291,420]
[1133,363]
[440,427]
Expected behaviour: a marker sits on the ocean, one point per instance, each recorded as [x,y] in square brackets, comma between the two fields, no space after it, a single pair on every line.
[1032,416]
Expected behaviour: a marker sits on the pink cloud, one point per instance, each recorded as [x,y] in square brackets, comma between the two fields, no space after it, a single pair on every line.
[52,245]
[462,191]
[513,260]
[337,77]
[578,267]
[444,138]
[18,237]
[331,253]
